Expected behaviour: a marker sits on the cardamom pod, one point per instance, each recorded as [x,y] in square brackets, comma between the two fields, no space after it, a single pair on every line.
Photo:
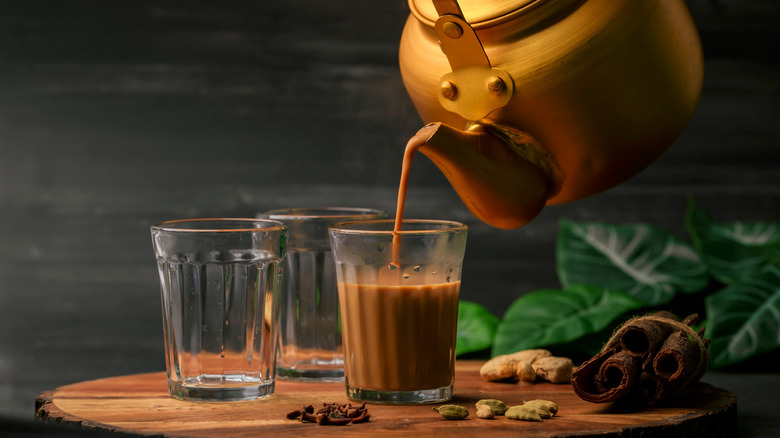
[552,407]
[485,412]
[452,412]
[542,410]
[524,413]
[498,407]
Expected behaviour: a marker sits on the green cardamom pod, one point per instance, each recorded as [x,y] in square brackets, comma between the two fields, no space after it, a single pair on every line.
[552,407]
[498,407]
[523,413]
[542,410]
[452,412]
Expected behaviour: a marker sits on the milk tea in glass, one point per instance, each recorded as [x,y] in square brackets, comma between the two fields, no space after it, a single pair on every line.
[398,295]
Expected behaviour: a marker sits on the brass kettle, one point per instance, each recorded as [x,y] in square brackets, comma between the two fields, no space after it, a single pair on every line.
[541,102]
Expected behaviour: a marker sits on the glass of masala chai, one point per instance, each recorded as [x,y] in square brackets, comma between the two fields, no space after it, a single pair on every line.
[398,296]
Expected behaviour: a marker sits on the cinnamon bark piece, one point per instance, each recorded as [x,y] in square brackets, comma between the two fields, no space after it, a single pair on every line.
[681,359]
[647,359]
[583,380]
[649,388]
[644,337]
[618,375]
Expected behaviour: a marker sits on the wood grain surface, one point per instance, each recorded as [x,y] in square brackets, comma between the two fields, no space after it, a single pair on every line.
[118,114]
[140,404]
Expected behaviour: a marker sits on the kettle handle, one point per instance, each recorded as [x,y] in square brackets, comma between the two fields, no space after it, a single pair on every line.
[457,38]
[473,89]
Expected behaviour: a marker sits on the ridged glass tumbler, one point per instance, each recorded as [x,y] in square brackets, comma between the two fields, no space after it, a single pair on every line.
[220,284]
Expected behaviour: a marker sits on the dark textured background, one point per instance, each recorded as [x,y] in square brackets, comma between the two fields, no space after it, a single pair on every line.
[118,114]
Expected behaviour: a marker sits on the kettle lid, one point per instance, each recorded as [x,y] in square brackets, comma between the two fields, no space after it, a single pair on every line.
[478,13]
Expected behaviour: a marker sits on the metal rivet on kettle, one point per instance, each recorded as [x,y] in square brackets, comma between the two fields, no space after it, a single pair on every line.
[496,85]
[452,30]
[448,90]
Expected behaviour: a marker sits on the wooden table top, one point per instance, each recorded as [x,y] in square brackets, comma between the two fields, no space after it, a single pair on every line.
[140,404]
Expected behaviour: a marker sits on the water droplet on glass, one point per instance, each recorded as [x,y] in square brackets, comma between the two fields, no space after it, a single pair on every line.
[392,266]
[222,355]
[382,247]
[417,268]
[406,276]
[449,279]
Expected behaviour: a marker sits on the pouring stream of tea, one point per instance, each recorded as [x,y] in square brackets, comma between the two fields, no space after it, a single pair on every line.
[412,146]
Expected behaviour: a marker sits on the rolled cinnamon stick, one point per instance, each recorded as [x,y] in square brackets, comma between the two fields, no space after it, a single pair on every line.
[691,319]
[646,360]
[681,359]
[583,379]
[617,375]
[666,314]
[649,389]
[644,337]
[609,376]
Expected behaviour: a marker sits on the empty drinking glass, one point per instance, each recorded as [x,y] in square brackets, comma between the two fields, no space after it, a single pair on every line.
[220,283]
[310,330]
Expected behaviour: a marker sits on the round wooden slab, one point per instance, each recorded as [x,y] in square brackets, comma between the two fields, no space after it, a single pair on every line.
[140,404]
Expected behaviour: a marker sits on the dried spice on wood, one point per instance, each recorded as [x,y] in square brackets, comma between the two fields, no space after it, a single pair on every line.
[648,359]
[331,414]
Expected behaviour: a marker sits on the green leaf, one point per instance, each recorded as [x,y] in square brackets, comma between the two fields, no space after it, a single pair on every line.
[476,328]
[733,250]
[550,316]
[744,318]
[644,261]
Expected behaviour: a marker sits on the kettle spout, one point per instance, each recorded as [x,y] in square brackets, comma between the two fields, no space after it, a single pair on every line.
[503,176]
